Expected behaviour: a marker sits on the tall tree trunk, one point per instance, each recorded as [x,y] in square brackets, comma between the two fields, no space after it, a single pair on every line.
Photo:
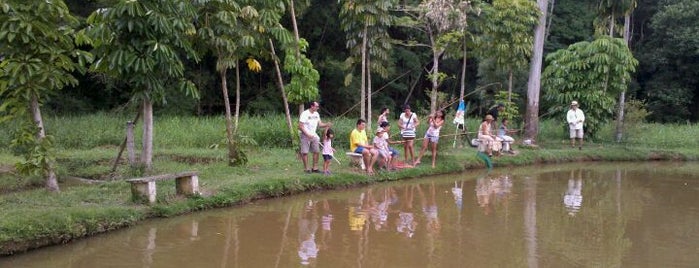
[531,126]
[362,113]
[368,91]
[509,84]
[233,153]
[622,96]
[147,149]
[435,81]
[297,38]
[435,70]
[227,103]
[49,172]
[548,25]
[463,72]
[237,97]
[280,83]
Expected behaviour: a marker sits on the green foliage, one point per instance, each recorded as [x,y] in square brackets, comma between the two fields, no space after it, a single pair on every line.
[304,78]
[140,44]
[593,73]
[507,28]
[39,57]
[635,114]
[39,155]
[511,111]
[669,72]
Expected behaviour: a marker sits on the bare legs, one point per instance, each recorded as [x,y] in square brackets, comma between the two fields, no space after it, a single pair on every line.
[369,156]
[425,143]
[580,142]
[409,149]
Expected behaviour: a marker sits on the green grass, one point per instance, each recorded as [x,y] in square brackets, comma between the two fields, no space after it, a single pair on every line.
[87,147]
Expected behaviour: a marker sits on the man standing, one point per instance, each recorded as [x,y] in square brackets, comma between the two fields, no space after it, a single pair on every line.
[495,111]
[359,143]
[575,118]
[310,141]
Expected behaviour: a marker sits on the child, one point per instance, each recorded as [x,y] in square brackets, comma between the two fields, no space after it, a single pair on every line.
[432,136]
[381,144]
[328,150]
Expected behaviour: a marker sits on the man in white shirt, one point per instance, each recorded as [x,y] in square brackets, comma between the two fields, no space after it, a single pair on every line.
[310,141]
[575,118]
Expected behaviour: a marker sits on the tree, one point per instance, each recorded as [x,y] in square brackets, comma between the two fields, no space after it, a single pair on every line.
[366,24]
[591,73]
[139,43]
[436,19]
[669,72]
[609,12]
[507,36]
[531,124]
[304,77]
[37,57]
[219,29]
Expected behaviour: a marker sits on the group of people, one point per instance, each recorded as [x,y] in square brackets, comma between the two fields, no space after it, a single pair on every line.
[379,149]
[493,140]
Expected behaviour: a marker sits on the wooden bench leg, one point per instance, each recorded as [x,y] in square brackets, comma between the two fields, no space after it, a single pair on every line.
[144,191]
[188,185]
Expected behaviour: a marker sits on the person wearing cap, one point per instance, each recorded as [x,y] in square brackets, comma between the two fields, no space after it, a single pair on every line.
[407,123]
[485,135]
[309,139]
[359,143]
[576,119]
[381,145]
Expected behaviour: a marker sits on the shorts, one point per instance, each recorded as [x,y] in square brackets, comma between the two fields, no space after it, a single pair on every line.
[576,133]
[393,151]
[359,149]
[309,145]
[431,138]
[327,157]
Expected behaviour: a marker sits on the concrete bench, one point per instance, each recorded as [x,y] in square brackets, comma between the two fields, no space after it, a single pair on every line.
[506,145]
[186,183]
[356,159]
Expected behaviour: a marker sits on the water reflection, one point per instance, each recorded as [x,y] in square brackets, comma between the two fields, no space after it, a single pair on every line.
[505,219]
[573,195]
[308,225]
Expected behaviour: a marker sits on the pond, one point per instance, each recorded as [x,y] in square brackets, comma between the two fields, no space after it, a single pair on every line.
[573,215]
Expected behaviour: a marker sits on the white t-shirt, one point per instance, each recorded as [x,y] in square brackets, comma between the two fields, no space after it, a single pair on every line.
[310,121]
[408,122]
[575,118]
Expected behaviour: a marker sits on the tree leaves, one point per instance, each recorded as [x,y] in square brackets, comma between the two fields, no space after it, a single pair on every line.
[592,73]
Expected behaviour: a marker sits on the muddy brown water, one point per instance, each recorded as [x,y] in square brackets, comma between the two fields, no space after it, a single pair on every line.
[573,215]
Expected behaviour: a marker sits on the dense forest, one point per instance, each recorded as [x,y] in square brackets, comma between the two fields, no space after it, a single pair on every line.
[663,39]
[259,57]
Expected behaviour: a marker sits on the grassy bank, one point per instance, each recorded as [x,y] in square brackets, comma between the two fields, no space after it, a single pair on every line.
[87,146]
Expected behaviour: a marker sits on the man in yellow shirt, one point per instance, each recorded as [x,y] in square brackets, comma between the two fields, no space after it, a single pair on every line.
[359,143]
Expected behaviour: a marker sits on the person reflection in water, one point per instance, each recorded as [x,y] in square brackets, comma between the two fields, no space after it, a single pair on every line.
[483,194]
[458,193]
[308,225]
[429,209]
[357,214]
[406,224]
[572,198]
[326,225]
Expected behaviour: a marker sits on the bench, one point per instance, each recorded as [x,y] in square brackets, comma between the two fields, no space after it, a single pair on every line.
[505,147]
[186,183]
[356,159]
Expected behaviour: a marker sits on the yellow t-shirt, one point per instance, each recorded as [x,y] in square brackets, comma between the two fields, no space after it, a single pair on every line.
[357,137]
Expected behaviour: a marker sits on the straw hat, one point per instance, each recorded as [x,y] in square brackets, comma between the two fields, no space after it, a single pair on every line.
[574,103]
[489,117]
